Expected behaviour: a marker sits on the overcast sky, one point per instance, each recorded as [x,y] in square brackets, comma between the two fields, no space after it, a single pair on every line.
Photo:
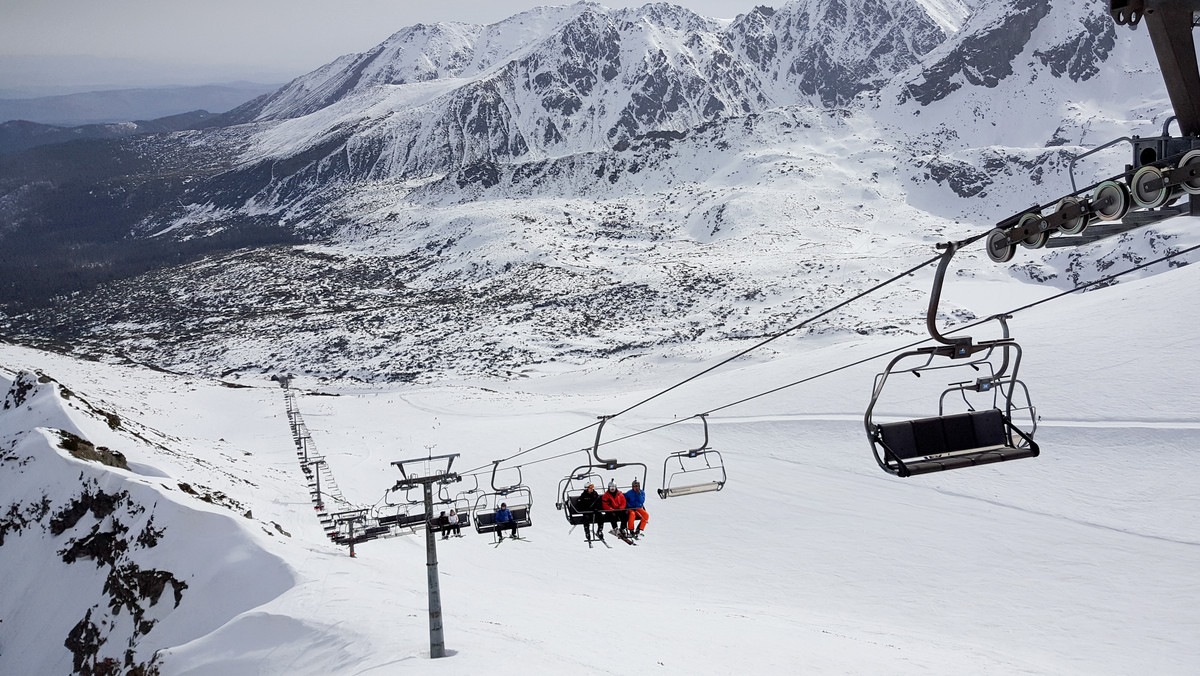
[149,42]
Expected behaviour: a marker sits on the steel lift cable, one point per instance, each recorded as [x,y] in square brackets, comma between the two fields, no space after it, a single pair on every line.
[769,339]
[1077,288]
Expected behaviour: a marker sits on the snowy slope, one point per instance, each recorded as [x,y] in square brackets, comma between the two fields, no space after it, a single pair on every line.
[110,555]
[1082,561]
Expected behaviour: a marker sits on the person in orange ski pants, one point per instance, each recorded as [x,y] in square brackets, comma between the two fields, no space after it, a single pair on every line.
[635,502]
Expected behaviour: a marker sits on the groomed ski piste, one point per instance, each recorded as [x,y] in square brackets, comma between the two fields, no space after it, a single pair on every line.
[1085,560]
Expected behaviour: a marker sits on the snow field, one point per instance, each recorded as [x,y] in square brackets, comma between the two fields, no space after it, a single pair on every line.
[1081,561]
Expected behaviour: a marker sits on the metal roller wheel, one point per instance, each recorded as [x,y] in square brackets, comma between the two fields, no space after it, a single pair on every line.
[1144,196]
[1110,201]
[1038,239]
[1076,224]
[998,248]
[1189,163]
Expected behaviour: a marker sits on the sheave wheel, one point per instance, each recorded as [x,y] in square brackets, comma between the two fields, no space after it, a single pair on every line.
[1189,164]
[1038,239]
[1071,225]
[1144,195]
[998,248]
[1110,201]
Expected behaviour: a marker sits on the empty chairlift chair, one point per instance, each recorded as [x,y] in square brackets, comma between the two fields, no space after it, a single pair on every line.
[405,516]
[994,399]
[464,503]
[700,470]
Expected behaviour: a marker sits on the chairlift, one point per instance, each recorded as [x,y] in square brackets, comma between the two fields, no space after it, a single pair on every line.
[408,513]
[443,495]
[463,503]
[693,477]
[600,472]
[986,431]
[518,497]
[353,536]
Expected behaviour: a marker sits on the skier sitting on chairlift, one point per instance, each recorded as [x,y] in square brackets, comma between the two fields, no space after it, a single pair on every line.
[589,501]
[442,523]
[612,501]
[453,525]
[635,502]
[504,519]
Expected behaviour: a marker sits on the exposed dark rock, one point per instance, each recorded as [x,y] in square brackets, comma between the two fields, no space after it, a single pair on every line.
[99,503]
[84,450]
[983,58]
[1079,57]
[22,385]
[84,641]
[964,179]
[128,586]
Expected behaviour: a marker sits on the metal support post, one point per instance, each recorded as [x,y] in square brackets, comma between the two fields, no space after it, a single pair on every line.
[437,642]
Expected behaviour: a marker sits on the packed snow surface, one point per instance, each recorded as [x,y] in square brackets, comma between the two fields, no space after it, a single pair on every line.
[1082,561]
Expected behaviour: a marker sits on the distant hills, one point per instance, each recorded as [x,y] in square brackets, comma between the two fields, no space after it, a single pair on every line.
[123,105]
[18,135]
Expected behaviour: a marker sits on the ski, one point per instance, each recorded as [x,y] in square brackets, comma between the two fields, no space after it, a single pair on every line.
[624,538]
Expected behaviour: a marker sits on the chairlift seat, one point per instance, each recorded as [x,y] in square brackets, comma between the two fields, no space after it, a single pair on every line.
[578,517]
[950,442]
[694,479]
[464,519]
[404,520]
[486,521]
[676,491]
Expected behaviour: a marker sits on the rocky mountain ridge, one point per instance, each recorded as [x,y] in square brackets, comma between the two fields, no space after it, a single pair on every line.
[575,183]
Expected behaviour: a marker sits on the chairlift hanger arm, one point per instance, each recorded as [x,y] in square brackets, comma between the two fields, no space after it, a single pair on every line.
[596,446]
[960,346]
[503,489]
[703,419]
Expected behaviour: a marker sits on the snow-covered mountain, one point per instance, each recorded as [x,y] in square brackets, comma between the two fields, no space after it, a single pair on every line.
[579,78]
[577,182]
[476,238]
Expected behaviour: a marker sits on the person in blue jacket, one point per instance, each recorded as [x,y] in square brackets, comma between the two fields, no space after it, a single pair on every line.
[635,502]
[504,519]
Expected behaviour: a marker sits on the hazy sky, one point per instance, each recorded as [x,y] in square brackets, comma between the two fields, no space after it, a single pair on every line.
[146,42]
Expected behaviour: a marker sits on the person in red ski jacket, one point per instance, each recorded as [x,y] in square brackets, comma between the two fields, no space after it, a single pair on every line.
[613,502]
